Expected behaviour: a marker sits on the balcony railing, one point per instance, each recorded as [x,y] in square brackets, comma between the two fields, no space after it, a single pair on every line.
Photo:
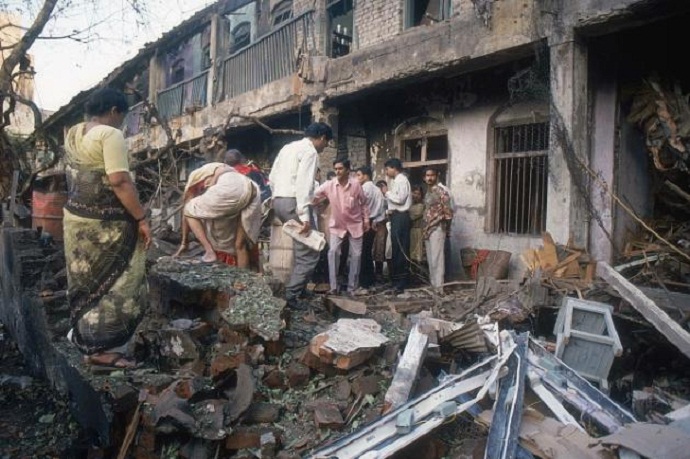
[189,94]
[270,58]
[134,119]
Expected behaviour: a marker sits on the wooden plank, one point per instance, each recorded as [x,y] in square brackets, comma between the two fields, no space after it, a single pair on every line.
[505,425]
[551,401]
[672,301]
[351,306]
[547,256]
[546,437]
[408,369]
[681,413]
[645,306]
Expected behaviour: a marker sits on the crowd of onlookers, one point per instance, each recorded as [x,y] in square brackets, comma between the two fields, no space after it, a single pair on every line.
[390,223]
[376,233]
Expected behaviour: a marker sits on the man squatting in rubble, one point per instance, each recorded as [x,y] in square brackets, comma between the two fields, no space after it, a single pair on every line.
[349,220]
[292,181]
[223,210]
[438,213]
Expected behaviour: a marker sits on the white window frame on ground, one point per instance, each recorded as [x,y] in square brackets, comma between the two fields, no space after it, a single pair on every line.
[518,150]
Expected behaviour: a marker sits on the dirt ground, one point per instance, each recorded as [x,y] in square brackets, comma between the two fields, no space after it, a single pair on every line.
[35,421]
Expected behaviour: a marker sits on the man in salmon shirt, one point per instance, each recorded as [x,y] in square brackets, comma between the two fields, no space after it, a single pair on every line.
[349,219]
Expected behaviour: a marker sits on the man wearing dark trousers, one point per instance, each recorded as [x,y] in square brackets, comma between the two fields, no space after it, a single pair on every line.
[399,199]
[377,216]
[292,180]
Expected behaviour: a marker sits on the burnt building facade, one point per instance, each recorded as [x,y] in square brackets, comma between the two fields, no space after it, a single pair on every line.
[515,102]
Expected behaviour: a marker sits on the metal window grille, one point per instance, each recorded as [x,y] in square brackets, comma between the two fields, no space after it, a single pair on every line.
[520,178]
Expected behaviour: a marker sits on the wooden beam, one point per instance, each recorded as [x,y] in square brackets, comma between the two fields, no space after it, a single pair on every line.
[645,306]
[505,425]
[408,370]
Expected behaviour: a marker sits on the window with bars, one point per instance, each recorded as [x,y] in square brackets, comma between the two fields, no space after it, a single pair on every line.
[241,36]
[282,12]
[520,173]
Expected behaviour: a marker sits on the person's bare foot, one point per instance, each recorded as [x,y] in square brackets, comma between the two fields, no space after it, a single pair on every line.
[110,359]
[209,257]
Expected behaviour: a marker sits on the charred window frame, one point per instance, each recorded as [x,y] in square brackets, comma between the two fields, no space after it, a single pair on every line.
[281,13]
[420,151]
[426,12]
[340,27]
[518,176]
[177,71]
[241,36]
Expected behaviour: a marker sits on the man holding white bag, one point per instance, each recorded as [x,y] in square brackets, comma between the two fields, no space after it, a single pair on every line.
[292,181]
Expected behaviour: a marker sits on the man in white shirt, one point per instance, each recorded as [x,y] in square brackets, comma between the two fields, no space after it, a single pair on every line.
[377,216]
[399,200]
[292,180]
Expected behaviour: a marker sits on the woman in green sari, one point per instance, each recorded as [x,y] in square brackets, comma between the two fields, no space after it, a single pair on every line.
[106,234]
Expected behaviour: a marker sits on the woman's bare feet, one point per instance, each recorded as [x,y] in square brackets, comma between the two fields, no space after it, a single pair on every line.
[209,257]
[110,359]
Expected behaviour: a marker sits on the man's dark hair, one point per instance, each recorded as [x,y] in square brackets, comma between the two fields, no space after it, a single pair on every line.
[344,161]
[395,163]
[103,100]
[330,175]
[233,157]
[365,170]
[381,183]
[429,168]
[316,130]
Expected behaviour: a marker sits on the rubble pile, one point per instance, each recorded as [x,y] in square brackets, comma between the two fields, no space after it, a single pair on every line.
[226,371]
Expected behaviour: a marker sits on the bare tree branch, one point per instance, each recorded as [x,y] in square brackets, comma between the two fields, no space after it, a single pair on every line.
[13,96]
[25,43]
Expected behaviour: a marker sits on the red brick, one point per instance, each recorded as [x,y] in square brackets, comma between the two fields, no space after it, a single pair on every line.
[242,438]
[274,379]
[329,417]
[298,374]
[224,363]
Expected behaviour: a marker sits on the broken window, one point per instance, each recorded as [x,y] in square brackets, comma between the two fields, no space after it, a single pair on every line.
[519,168]
[176,72]
[425,12]
[206,57]
[421,152]
[282,12]
[241,36]
[340,24]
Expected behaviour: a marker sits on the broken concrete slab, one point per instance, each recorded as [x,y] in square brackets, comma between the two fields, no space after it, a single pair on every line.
[348,343]
[243,299]
[407,371]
